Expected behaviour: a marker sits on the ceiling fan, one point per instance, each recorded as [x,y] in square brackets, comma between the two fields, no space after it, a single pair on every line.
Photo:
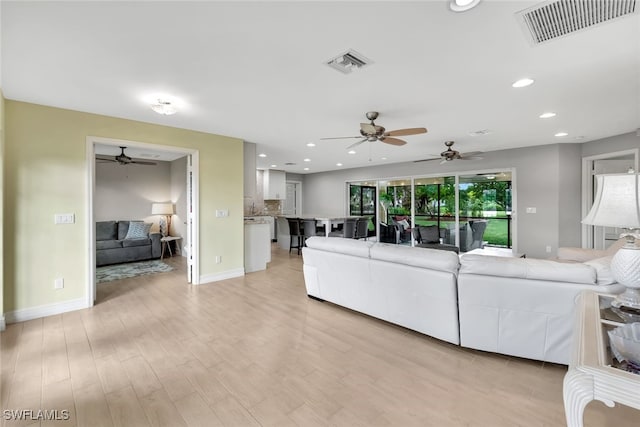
[450,154]
[123,159]
[372,132]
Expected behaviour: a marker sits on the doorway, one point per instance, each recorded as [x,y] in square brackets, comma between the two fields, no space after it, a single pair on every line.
[191,201]
[292,204]
[618,162]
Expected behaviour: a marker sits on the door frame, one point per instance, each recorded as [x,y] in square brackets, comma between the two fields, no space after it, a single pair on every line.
[588,240]
[298,185]
[194,252]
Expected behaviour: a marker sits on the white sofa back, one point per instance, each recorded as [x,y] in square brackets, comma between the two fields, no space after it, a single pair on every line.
[522,307]
[411,287]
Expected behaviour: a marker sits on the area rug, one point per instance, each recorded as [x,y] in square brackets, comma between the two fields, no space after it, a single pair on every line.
[109,273]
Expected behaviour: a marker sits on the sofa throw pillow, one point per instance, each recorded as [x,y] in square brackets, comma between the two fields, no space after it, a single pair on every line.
[138,230]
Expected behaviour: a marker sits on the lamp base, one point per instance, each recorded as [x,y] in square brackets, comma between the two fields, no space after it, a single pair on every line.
[630,298]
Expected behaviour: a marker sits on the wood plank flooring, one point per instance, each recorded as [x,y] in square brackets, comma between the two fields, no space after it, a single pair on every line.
[255,351]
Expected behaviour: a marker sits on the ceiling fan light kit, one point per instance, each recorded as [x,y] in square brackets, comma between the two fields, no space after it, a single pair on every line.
[450,154]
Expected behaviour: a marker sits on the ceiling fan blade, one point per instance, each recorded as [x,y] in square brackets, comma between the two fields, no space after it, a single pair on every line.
[427,160]
[471,153]
[106,160]
[355,144]
[368,128]
[344,137]
[470,158]
[143,163]
[393,141]
[408,131]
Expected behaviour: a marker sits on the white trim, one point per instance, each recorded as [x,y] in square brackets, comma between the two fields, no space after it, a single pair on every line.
[216,277]
[3,324]
[45,310]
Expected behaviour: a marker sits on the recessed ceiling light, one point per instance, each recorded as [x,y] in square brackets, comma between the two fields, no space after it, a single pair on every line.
[274,166]
[351,152]
[163,104]
[383,158]
[311,144]
[523,82]
[547,115]
[306,169]
[338,164]
[262,155]
[307,160]
[579,137]
[462,5]
[561,134]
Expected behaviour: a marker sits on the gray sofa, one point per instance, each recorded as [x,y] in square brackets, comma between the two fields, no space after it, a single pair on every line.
[113,248]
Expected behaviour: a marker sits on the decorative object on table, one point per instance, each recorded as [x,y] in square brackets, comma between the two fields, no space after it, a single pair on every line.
[617,204]
[625,344]
[166,210]
[110,273]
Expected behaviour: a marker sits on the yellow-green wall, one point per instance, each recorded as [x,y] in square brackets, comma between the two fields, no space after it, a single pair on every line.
[46,173]
[1,206]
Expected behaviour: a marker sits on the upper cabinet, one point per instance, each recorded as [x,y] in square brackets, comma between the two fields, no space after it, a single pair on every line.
[249,169]
[274,184]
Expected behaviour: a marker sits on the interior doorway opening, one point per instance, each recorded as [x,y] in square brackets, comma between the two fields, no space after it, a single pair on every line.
[183,177]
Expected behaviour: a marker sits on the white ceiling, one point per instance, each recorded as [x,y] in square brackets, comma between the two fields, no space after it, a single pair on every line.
[255,70]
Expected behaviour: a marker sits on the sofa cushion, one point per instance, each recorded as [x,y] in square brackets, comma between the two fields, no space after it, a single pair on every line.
[602,266]
[128,243]
[341,245]
[527,268]
[418,257]
[123,228]
[108,244]
[106,230]
[138,230]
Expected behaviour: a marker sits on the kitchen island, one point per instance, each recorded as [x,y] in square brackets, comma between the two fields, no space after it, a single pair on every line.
[257,244]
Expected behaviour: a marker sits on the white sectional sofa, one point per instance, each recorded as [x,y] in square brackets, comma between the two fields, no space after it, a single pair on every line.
[410,287]
[516,306]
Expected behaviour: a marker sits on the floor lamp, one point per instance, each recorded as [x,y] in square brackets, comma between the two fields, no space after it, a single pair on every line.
[167,210]
[617,204]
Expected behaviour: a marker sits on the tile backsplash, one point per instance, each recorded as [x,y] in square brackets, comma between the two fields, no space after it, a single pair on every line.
[255,206]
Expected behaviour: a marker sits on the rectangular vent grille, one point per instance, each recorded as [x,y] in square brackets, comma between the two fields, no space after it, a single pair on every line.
[348,62]
[561,17]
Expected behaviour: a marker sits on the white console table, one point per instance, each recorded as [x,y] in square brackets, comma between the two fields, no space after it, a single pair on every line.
[592,373]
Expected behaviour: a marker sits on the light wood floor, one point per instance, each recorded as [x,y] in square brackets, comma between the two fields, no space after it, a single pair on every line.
[255,351]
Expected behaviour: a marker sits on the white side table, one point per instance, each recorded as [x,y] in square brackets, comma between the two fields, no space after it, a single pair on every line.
[593,373]
[165,242]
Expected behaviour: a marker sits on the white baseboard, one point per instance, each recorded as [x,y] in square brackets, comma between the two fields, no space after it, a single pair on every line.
[45,310]
[229,274]
[3,325]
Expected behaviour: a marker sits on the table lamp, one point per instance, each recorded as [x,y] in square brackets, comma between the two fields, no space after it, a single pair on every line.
[167,210]
[617,204]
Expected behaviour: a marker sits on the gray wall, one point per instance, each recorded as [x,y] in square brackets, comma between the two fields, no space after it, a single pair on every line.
[547,177]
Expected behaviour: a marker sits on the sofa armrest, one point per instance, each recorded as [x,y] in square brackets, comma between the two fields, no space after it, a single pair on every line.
[580,254]
[156,249]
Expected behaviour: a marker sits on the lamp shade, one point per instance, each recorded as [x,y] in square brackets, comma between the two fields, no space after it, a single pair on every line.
[617,201]
[162,209]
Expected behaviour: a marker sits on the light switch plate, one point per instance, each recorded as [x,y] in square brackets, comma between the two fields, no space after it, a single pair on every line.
[67,218]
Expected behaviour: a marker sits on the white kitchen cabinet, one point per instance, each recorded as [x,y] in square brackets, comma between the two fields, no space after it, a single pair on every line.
[257,245]
[274,185]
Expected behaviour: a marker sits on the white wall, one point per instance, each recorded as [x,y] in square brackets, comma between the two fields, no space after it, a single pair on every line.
[127,192]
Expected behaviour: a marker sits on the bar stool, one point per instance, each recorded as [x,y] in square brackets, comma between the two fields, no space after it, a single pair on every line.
[295,233]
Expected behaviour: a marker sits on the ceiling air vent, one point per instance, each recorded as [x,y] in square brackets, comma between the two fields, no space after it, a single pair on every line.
[553,19]
[348,61]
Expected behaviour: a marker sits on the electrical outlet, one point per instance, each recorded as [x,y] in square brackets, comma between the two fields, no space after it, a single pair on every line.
[221,213]
[548,249]
[218,259]
[58,283]
[531,210]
